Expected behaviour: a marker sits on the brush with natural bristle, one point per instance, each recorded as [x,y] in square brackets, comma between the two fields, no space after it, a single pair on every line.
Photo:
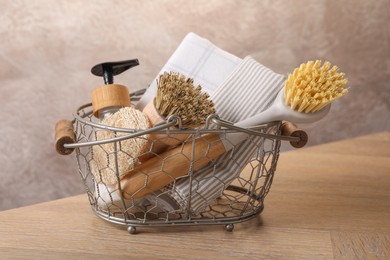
[177,95]
[312,87]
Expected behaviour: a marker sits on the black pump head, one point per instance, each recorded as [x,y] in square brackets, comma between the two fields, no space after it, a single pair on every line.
[108,70]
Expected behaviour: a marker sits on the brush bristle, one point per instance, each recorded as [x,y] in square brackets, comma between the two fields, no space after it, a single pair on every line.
[177,95]
[312,87]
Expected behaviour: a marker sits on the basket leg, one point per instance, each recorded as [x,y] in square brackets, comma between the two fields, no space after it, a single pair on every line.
[229,227]
[132,230]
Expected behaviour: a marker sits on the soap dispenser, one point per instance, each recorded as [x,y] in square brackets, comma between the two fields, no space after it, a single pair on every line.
[108,98]
[111,105]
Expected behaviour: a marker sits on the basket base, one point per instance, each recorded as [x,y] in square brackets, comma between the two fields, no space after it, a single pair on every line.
[180,220]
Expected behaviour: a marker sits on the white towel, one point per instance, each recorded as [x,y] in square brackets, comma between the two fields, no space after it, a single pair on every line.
[199,59]
[250,89]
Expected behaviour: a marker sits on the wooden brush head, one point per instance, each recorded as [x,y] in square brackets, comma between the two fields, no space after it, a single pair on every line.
[177,95]
[312,87]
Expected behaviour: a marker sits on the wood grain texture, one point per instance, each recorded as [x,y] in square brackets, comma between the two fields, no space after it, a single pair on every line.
[108,96]
[361,245]
[327,202]
[68,229]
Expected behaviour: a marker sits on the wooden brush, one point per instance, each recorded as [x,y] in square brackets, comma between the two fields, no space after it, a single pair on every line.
[308,89]
[177,95]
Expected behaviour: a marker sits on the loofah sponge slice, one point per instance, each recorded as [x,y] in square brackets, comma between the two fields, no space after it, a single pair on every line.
[103,165]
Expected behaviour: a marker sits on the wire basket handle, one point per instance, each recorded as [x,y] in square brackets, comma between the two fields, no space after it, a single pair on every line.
[65,140]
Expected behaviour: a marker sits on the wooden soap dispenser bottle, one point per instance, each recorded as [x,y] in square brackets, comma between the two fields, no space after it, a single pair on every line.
[111,104]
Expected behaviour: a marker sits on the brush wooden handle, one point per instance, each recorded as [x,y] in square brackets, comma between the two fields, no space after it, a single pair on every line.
[161,141]
[162,170]
[290,129]
[154,117]
[64,135]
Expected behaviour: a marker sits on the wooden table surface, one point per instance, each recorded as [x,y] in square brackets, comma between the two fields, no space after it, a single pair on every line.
[330,201]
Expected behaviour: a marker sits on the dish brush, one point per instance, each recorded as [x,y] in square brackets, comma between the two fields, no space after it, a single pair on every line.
[177,95]
[306,97]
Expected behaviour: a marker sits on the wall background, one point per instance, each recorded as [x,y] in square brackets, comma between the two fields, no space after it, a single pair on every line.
[48,47]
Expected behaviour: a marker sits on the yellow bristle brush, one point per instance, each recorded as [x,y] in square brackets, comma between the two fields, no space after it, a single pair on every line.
[306,96]
[310,90]
[311,87]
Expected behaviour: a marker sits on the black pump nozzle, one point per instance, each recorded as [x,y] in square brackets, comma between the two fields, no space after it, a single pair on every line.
[108,70]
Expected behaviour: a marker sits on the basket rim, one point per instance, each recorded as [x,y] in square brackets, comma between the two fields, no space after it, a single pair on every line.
[170,126]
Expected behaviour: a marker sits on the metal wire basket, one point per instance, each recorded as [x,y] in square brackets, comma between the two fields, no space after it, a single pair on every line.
[228,190]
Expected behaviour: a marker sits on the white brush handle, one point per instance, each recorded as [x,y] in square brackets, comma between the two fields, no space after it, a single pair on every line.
[278,111]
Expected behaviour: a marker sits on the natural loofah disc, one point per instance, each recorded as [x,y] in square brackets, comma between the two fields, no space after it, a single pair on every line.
[104,164]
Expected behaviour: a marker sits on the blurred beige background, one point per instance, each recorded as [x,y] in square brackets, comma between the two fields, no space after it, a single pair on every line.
[48,47]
